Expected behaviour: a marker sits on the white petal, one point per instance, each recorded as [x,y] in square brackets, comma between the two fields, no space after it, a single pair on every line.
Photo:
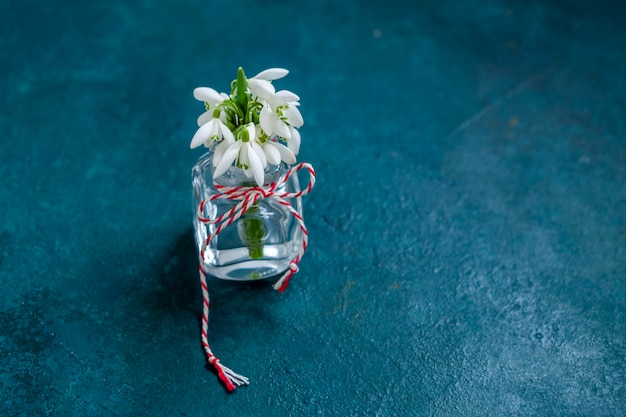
[205,117]
[271,74]
[261,88]
[265,119]
[256,148]
[293,116]
[286,96]
[255,166]
[207,94]
[294,142]
[280,128]
[227,159]
[202,135]
[244,160]
[219,152]
[258,132]
[243,154]
[285,153]
[251,128]
[271,153]
[228,135]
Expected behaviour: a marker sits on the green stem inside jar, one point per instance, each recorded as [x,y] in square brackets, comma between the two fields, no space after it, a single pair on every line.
[253,232]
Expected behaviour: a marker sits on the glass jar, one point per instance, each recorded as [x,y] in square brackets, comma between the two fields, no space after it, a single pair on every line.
[262,242]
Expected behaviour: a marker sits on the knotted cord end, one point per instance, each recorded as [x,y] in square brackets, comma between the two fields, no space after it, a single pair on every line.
[283,282]
[230,379]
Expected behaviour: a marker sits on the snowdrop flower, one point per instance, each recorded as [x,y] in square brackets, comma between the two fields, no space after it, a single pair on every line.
[211,127]
[213,130]
[280,116]
[221,149]
[275,152]
[251,160]
[212,99]
[261,84]
[247,154]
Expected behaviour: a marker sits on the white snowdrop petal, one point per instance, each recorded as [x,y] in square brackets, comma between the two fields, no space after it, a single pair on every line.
[228,135]
[280,128]
[244,159]
[251,128]
[219,152]
[294,142]
[261,88]
[205,118]
[294,116]
[258,132]
[265,119]
[202,134]
[243,154]
[286,96]
[271,74]
[227,159]
[271,153]
[255,166]
[286,154]
[256,148]
[207,94]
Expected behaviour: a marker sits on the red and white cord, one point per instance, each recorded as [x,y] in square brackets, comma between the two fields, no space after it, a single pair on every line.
[247,196]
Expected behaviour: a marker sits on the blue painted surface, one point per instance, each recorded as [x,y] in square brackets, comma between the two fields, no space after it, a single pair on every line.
[468,228]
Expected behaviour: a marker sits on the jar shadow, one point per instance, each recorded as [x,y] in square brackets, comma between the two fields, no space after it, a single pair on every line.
[235,305]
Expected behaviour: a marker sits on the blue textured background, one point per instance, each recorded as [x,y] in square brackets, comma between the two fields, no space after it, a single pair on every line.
[468,229]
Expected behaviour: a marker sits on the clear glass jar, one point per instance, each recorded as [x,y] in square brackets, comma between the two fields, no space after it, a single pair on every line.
[258,245]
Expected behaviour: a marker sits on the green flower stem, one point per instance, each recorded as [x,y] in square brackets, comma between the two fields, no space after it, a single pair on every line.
[253,231]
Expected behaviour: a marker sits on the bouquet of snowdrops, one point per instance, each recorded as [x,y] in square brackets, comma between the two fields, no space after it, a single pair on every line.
[253,126]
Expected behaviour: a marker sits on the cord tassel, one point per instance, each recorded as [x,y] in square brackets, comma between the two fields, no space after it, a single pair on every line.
[231,379]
